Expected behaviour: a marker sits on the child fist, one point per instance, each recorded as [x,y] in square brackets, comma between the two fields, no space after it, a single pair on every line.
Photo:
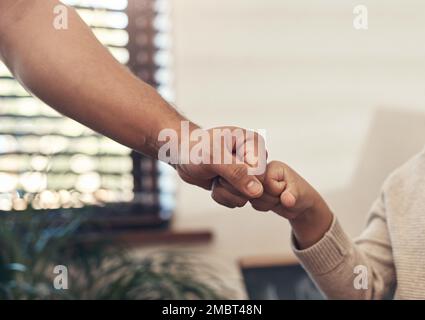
[285,192]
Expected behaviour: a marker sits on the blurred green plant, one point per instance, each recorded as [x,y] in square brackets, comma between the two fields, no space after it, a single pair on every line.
[32,244]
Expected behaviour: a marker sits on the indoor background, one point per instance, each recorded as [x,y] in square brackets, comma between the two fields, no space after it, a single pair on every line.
[341,106]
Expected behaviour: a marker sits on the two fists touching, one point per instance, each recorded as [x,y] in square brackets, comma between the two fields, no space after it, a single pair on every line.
[285,192]
[247,176]
[268,187]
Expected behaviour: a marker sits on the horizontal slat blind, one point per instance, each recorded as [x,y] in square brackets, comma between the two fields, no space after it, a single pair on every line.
[48,161]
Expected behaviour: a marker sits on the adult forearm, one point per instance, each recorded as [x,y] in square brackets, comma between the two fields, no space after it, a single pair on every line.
[73,73]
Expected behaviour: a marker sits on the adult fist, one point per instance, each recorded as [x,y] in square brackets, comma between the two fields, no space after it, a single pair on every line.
[236,155]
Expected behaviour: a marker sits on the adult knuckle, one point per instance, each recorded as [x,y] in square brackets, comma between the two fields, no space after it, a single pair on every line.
[215,196]
[259,206]
[238,172]
[220,197]
[241,202]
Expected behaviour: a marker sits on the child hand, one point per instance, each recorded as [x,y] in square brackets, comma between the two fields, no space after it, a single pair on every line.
[285,192]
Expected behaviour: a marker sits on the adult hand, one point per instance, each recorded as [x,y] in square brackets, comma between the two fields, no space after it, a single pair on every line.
[245,149]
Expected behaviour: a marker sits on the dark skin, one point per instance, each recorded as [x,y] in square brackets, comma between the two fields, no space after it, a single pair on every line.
[73,73]
[290,196]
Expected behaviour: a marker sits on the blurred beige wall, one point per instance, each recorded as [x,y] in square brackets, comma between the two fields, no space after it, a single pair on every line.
[300,70]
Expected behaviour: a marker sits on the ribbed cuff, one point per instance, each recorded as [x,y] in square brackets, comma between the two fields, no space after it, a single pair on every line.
[327,253]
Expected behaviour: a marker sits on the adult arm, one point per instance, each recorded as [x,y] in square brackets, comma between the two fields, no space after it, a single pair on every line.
[72,72]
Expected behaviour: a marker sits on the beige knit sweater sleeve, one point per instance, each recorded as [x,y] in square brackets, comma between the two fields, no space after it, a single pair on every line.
[346,269]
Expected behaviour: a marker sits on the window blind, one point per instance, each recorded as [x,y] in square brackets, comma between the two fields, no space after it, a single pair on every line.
[48,161]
